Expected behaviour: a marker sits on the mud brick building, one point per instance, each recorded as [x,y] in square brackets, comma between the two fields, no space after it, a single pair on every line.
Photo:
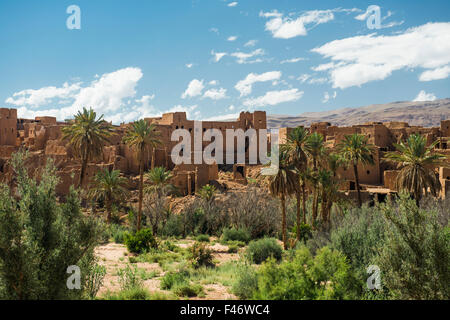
[378,180]
[42,137]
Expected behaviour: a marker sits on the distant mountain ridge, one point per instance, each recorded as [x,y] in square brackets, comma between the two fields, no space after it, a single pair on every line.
[416,113]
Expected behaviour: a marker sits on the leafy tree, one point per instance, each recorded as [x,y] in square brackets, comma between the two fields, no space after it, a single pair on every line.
[110,187]
[415,258]
[283,184]
[142,136]
[355,149]
[87,135]
[417,163]
[41,237]
[296,148]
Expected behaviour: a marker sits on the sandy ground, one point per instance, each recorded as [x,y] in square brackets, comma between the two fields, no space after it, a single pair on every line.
[115,257]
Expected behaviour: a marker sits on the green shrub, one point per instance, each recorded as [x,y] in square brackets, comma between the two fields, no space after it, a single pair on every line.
[202,238]
[201,255]
[41,236]
[415,259]
[117,232]
[174,226]
[188,290]
[129,294]
[171,279]
[169,245]
[236,235]
[141,241]
[302,276]
[239,244]
[305,232]
[129,278]
[246,282]
[94,280]
[259,250]
[233,248]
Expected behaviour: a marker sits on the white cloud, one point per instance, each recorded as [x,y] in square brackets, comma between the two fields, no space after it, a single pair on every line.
[107,95]
[245,86]
[232,38]
[36,98]
[231,108]
[233,4]
[317,80]
[216,94]
[218,55]
[191,111]
[368,58]
[189,65]
[435,74]
[293,60]
[213,82]
[231,116]
[423,96]
[272,98]
[304,77]
[251,43]
[215,30]
[243,57]
[194,88]
[287,27]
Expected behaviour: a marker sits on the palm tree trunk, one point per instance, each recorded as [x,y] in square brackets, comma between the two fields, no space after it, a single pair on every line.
[152,165]
[141,189]
[283,221]
[304,202]
[108,210]
[83,171]
[355,172]
[298,214]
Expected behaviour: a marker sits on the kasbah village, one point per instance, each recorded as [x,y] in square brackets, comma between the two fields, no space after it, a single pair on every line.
[43,138]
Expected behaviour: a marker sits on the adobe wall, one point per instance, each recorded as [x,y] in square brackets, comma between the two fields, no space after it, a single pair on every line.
[8,127]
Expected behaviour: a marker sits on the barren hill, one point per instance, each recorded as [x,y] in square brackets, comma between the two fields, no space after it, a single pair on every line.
[420,113]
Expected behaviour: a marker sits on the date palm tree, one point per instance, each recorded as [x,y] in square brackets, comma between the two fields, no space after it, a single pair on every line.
[283,184]
[355,149]
[315,149]
[87,135]
[295,146]
[140,136]
[109,187]
[417,163]
[159,181]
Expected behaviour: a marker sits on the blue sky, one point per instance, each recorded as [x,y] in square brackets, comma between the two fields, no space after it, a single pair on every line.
[214,58]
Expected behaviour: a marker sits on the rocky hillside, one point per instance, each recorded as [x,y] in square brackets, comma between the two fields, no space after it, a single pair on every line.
[422,113]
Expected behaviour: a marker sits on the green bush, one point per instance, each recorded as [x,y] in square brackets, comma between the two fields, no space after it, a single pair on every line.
[117,232]
[174,226]
[202,238]
[358,236]
[129,278]
[94,280]
[305,232]
[233,234]
[172,279]
[201,255]
[188,290]
[130,294]
[415,259]
[246,283]
[41,236]
[302,276]
[259,250]
[233,248]
[141,241]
